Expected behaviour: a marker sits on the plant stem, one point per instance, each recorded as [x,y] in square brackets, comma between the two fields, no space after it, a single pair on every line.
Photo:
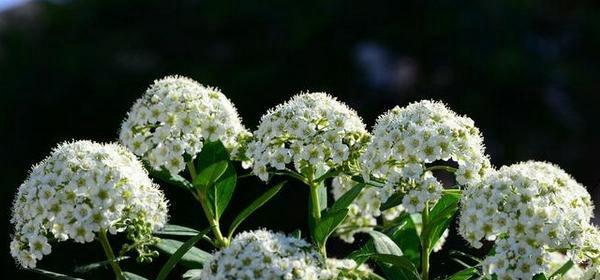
[315,201]
[213,221]
[110,255]
[425,244]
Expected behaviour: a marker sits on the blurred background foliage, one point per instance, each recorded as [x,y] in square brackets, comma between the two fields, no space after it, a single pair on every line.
[525,71]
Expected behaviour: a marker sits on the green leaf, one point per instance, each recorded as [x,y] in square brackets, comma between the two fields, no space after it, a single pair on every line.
[211,153]
[176,230]
[327,225]
[383,244]
[401,267]
[171,179]
[95,265]
[175,257]
[257,203]
[540,276]
[193,258]
[393,201]
[464,274]
[219,194]
[52,275]
[562,270]
[405,235]
[192,274]
[347,198]
[133,276]
[210,175]
[441,216]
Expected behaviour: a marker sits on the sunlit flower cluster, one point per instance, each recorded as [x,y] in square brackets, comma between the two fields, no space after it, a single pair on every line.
[406,141]
[170,123]
[528,209]
[80,189]
[313,131]
[364,210]
[263,254]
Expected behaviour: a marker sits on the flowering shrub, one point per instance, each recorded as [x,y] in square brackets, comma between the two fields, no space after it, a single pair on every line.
[400,185]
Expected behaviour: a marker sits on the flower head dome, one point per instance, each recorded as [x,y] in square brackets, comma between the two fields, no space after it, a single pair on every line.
[528,209]
[263,254]
[310,130]
[171,121]
[80,189]
[406,140]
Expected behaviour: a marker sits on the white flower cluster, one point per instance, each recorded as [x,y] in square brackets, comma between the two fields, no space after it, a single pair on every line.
[528,209]
[311,130]
[171,121]
[263,254]
[80,189]
[364,210]
[406,140]
[591,273]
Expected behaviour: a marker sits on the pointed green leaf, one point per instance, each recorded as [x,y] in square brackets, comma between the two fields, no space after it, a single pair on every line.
[178,254]
[562,270]
[327,225]
[393,201]
[347,198]
[192,274]
[171,179]
[176,230]
[383,244]
[211,153]
[259,202]
[441,216]
[401,267]
[210,175]
[95,265]
[464,274]
[220,193]
[193,258]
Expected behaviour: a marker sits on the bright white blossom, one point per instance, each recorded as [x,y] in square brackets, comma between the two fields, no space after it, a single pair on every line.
[312,130]
[263,254]
[527,209]
[170,123]
[80,189]
[406,141]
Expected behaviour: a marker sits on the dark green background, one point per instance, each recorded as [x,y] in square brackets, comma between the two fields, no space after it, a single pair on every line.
[525,71]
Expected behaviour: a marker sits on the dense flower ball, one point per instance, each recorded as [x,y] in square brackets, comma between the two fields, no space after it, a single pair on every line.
[171,121]
[263,254]
[310,130]
[528,209]
[364,211]
[80,189]
[406,140]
